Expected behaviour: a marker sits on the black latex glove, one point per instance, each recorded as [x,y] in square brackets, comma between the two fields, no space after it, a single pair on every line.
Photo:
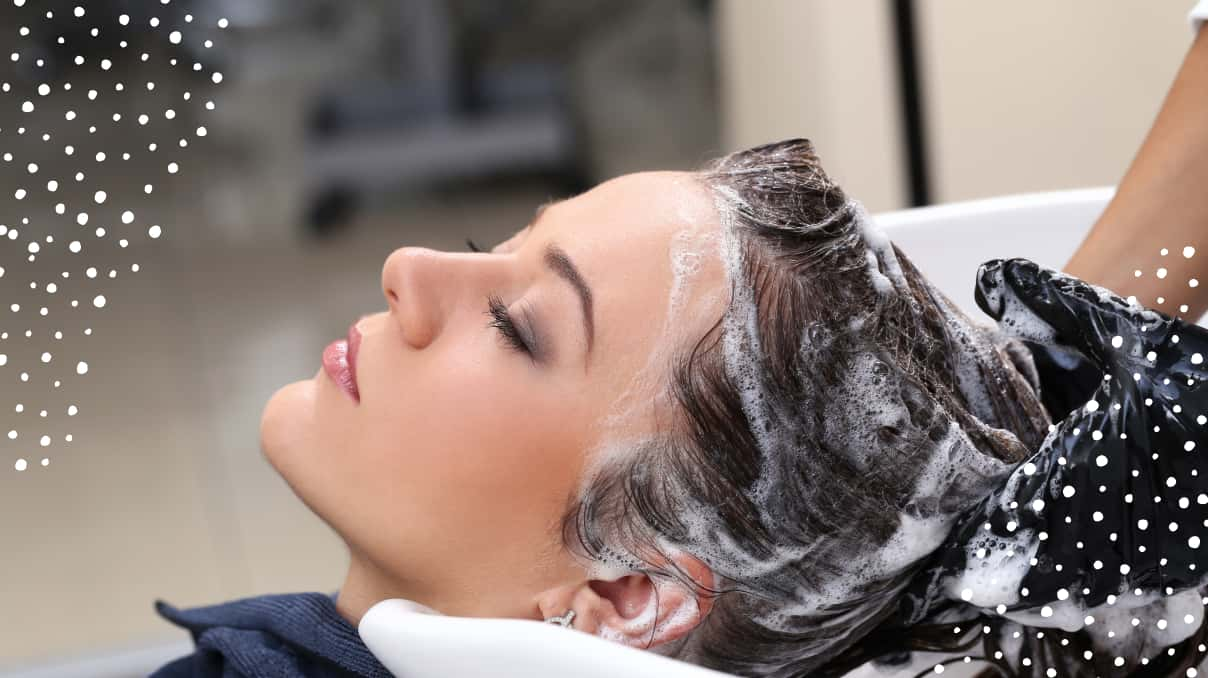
[1141,438]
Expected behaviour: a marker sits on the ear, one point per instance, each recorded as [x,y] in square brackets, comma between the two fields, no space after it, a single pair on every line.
[634,609]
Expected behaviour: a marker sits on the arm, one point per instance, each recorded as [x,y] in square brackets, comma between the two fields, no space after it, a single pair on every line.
[1162,202]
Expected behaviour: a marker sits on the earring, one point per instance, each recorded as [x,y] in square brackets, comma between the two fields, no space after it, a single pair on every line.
[563,621]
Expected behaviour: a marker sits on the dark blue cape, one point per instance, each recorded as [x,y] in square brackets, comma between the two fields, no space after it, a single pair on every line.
[285,635]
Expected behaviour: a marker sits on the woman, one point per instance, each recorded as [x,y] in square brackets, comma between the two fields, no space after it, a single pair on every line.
[713,414]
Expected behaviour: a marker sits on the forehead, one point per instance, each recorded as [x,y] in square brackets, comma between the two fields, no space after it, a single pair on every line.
[648,245]
[646,203]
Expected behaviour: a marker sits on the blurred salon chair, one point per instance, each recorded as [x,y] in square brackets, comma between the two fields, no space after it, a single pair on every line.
[445,115]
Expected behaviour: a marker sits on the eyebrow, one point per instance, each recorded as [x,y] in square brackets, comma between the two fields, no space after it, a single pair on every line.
[559,262]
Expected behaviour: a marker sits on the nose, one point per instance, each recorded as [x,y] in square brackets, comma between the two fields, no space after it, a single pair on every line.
[427,288]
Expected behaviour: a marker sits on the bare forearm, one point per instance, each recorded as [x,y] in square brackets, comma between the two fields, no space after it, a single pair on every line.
[1162,202]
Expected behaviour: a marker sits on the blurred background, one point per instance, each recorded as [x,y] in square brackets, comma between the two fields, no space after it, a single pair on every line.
[290,145]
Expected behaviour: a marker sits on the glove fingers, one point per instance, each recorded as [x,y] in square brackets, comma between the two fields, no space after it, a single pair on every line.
[1049,307]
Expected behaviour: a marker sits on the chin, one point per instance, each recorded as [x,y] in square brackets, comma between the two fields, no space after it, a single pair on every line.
[287,425]
[290,440]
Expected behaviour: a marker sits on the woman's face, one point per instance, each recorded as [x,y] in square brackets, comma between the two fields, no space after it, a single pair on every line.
[452,472]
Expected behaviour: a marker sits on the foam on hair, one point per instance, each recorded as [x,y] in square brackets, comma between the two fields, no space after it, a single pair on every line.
[834,424]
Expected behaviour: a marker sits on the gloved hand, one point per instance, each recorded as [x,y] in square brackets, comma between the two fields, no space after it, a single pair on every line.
[1116,499]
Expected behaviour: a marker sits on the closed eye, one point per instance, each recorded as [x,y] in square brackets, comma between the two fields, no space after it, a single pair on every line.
[502,321]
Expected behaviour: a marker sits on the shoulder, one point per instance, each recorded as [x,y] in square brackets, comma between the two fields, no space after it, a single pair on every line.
[296,634]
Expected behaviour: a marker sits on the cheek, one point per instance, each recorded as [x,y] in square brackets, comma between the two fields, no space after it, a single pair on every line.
[479,441]
[468,420]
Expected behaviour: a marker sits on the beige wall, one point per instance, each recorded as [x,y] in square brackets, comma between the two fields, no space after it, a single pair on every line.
[1023,96]
[793,68]
[1038,95]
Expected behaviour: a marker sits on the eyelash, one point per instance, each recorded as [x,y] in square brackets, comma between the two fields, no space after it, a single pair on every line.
[501,321]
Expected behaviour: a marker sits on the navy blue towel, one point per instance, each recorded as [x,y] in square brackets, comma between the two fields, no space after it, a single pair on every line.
[282,636]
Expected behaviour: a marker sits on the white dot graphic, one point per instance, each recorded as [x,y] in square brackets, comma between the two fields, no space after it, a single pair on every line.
[83,113]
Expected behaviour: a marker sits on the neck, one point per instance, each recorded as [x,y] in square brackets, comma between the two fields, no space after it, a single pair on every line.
[364,586]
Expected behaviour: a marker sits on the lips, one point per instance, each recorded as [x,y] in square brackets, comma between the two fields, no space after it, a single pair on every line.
[340,362]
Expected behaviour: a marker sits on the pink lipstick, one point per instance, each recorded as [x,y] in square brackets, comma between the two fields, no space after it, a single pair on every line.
[340,362]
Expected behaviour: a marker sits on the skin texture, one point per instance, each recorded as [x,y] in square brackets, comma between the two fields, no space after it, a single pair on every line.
[1160,203]
[448,480]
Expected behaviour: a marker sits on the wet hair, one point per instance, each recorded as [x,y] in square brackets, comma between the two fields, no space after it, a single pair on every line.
[827,430]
